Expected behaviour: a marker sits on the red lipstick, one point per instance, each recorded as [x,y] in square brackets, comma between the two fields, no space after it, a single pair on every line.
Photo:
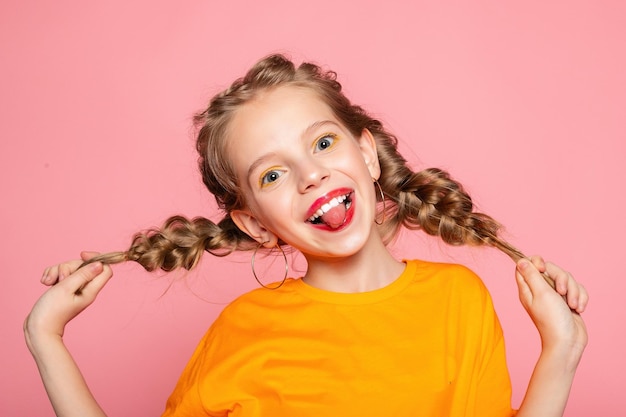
[333,211]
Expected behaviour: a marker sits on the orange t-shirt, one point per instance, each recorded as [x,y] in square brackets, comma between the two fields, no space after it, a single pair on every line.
[428,344]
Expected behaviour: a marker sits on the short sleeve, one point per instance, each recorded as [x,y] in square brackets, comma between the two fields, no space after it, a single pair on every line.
[186,399]
[493,389]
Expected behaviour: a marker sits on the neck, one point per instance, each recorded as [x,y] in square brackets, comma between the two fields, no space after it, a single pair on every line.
[371,268]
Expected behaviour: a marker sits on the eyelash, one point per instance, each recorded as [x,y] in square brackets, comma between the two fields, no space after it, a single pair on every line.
[265,178]
[333,138]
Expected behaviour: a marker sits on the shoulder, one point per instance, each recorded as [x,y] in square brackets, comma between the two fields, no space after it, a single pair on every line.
[461,293]
[457,282]
[260,305]
[446,273]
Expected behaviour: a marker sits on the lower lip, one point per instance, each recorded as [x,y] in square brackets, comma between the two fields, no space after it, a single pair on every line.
[346,221]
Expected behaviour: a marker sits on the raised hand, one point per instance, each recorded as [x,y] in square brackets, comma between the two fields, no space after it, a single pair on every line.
[556,314]
[72,290]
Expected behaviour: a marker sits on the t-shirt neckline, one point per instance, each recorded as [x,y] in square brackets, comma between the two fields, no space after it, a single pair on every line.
[366,297]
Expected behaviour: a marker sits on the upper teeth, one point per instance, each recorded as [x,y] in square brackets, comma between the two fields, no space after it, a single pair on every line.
[324,209]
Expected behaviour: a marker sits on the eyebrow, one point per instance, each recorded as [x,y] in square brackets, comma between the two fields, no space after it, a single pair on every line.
[312,127]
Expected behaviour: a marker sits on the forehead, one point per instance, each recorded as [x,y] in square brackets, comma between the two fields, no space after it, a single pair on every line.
[279,112]
[274,119]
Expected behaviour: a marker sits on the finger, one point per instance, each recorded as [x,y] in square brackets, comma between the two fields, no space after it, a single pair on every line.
[65,271]
[48,277]
[525,294]
[577,297]
[573,293]
[91,288]
[539,262]
[583,299]
[56,273]
[532,276]
[78,280]
[560,277]
[87,255]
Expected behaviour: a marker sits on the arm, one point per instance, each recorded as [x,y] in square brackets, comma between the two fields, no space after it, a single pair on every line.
[71,292]
[562,331]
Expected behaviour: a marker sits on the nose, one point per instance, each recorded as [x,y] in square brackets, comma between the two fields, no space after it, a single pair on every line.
[311,174]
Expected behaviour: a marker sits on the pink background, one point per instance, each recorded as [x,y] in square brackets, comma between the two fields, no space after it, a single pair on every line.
[522,101]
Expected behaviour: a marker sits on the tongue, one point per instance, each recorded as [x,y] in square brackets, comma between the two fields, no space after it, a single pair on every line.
[335,216]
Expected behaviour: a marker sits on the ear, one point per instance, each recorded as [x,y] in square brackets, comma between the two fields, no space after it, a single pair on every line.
[250,225]
[367,143]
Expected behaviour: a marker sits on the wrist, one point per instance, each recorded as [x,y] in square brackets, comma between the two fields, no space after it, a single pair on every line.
[562,356]
[551,381]
[37,340]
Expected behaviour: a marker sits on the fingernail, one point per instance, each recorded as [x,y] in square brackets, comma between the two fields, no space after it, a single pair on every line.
[523,264]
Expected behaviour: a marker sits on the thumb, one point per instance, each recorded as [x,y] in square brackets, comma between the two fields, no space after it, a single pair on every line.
[532,277]
[87,255]
[90,279]
[525,291]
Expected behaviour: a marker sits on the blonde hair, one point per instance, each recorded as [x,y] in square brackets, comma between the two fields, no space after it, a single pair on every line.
[429,200]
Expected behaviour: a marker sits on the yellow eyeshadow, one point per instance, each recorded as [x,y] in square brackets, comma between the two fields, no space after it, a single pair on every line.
[333,136]
[264,174]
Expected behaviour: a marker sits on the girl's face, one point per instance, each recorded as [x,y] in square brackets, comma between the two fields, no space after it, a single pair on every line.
[306,179]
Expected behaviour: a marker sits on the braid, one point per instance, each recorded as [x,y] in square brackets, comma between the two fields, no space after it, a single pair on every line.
[429,200]
[432,201]
[180,243]
[440,206]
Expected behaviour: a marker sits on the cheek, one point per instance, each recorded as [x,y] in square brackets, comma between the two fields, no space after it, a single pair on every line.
[273,208]
[355,163]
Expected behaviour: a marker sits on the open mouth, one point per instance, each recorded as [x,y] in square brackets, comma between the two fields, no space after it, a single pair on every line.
[333,212]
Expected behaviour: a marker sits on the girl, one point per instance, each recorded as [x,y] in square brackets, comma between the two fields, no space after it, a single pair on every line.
[293,163]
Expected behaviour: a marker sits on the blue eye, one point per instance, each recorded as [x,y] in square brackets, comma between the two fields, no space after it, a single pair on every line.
[270,176]
[325,142]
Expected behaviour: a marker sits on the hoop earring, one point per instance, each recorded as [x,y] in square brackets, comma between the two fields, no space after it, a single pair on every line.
[382,198]
[257,278]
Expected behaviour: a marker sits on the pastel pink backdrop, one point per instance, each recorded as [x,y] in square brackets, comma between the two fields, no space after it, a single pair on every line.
[524,102]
